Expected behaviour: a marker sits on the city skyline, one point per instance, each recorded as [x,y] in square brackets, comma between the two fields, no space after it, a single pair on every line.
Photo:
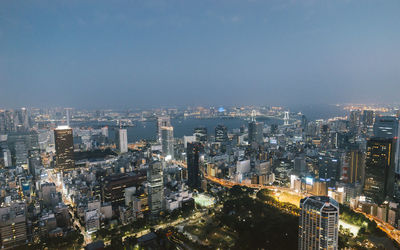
[214,124]
[170,52]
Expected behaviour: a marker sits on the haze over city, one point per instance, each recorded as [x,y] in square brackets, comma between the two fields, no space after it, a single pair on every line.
[93,54]
[199,125]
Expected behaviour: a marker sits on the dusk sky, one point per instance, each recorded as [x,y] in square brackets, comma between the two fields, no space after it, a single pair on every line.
[206,52]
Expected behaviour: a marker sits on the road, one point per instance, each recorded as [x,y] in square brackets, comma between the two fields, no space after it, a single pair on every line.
[86,237]
[392,232]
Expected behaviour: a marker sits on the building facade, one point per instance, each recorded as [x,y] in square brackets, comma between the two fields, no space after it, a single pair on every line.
[155,188]
[64,145]
[122,140]
[318,223]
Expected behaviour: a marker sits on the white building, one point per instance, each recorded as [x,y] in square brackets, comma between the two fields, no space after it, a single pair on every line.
[122,140]
[318,223]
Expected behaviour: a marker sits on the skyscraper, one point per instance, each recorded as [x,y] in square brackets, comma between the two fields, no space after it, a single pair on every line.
[386,127]
[162,121]
[368,117]
[64,148]
[355,162]
[155,188]
[193,164]
[167,141]
[354,119]
[379,169]
[318,223]
[122,140]
[328,169]
[256,132]
[221,133]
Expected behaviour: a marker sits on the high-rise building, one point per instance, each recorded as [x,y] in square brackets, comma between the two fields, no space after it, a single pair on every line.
[221,133]
[162,121]
[386,127]
[104,131]
[300,165]
[355,163]
[201,134]
[318,223]
[325,135]
[64,145]
[167,141]
[256,132]
[193,164]
[155,188]
[34,161]
[6,157]
[21,151]
[379,169]
[354,119]
[122,140]
[328,169]
[368,117]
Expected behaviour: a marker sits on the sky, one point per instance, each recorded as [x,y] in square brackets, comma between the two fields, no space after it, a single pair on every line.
[108,54]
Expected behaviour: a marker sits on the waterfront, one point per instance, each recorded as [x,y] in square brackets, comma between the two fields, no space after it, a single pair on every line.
[146,130]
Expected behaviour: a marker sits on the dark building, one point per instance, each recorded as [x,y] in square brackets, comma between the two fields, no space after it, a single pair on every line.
[201,134]
[256,132]
[34,161]
[193,164]
[386,127]
[354,120]
[379,169]
[274,129]
[325,135]
[328,169]
[64,148]
[221,133]
[355,163]
[155,188]
[368,117]
[113,189]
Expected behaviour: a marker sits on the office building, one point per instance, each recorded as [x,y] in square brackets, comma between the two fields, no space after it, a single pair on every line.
[64,148]
[256,132]
[318,223]
[114,186]
[13,227]
[193,164]
[355,166]
[155,188]
[300,165]
[328,169]
[6,157]
[162,121]
[201,134]
[379,169]
[386,127]
[122,140]
[167,141]
[34,161]
[221,134]
[368,117]
[354,120]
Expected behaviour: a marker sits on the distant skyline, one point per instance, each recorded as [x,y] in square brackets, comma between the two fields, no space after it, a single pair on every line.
[126,54]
